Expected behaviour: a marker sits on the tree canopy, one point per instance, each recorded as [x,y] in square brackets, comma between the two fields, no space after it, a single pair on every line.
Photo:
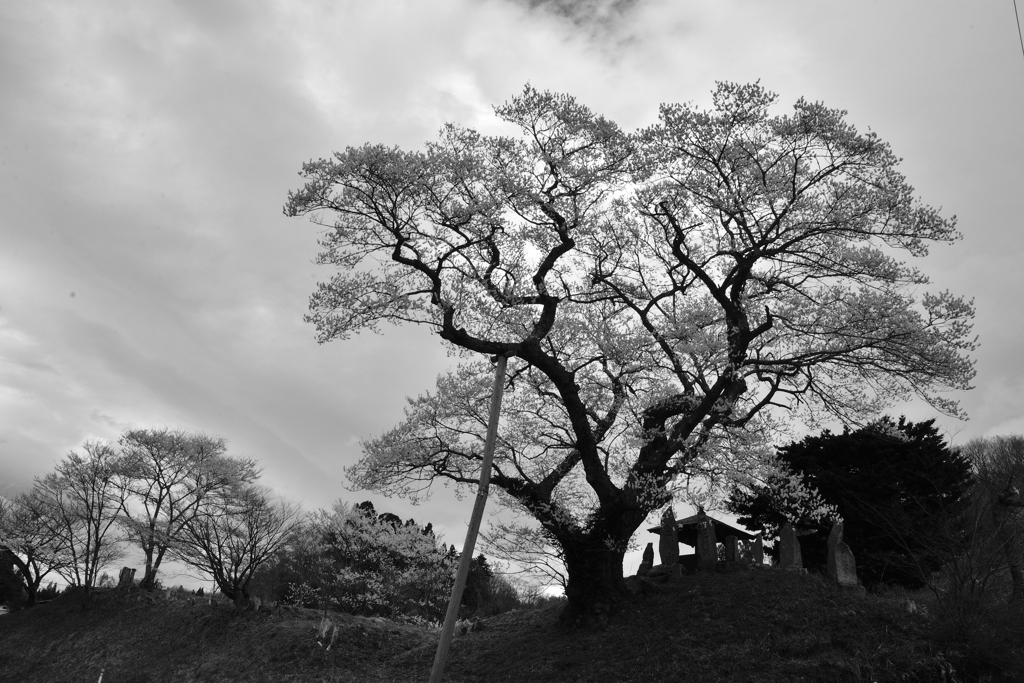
[661,296]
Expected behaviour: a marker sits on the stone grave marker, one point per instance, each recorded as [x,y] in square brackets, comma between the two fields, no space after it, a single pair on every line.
[790,558]
[668,542]
[647,562]
[757,551]
[126,578]
[841,566]
[834,537]
[732,550]
[846,566]
[707,544]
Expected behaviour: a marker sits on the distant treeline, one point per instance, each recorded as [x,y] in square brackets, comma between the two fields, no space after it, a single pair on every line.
[179,495]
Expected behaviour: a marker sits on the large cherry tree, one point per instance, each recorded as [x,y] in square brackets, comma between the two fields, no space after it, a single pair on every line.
[661,296]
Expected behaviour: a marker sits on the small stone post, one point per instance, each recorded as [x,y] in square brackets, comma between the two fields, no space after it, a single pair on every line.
[647,562]
[790,558]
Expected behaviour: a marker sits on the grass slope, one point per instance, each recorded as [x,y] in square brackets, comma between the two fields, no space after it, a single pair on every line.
[759,626]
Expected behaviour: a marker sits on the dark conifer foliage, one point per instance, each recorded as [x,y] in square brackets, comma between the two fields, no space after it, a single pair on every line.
[893,483]
[10,585]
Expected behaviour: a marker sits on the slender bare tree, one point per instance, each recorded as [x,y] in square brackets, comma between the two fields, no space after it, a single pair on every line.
[234,534]
[169,475]
[81,500]
[31,542]
[999,463]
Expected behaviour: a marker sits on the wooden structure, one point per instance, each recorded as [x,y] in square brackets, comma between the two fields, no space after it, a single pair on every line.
[686,529]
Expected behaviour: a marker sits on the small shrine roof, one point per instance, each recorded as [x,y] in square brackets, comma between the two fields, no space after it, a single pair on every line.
[687,530]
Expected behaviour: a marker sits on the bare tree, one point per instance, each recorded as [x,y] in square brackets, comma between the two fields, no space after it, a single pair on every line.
[529,547]
[31,542]
[234,534]
[80,502]
[999,464]
[169,475]
[976,545]
[976,541]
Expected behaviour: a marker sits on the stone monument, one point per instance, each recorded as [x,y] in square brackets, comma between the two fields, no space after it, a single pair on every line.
[757,551]
[647,562]
[668,542]
[668,545]
[790,558]
[707,545]
[732,550]
[126,579]
[841,566]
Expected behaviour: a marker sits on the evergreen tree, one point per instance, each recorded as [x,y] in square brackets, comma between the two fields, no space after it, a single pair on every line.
[891,482]
[477,584]
[10,585]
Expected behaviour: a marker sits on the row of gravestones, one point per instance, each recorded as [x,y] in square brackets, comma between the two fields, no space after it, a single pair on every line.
[127,577]
[841,566]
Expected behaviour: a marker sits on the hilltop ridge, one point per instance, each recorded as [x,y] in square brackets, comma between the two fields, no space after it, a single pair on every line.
[757,625]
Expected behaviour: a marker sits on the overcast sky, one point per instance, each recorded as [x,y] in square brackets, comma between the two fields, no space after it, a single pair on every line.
[148,277]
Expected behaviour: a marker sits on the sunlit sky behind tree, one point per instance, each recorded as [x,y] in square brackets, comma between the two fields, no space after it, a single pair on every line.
[148,277]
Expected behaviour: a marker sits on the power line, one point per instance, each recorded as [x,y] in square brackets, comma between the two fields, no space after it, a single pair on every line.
[1021,38]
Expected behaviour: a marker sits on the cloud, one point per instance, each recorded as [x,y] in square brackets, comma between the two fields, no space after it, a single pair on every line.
[146,150]
[583,12]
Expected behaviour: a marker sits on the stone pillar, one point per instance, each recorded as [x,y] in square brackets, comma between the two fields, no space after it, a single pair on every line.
[668,542]
[841,566]
[834,537]
[707,545]
[757,551]
[648,561]
[732,551]
[126,578]
[846,566]
[789,549]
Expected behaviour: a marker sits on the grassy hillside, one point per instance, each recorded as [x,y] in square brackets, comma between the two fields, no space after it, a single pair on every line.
[760,626]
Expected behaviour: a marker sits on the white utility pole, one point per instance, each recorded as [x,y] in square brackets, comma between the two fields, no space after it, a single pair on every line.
[474,525]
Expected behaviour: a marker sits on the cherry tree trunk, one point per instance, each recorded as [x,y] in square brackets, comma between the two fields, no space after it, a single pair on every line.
[595,588]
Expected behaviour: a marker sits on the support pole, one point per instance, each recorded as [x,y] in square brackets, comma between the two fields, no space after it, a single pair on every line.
[474,525]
